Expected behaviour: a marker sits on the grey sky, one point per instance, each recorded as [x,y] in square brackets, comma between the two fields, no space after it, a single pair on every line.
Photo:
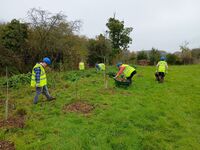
[163,24]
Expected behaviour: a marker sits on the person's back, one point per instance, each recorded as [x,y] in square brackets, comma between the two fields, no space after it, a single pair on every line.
[128,69]
[162,66]
[101,66]
[81,66]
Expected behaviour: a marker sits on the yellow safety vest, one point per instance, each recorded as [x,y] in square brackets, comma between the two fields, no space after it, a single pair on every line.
[128,70]
[81,66]
[43,79]
[102,66]
[162,66]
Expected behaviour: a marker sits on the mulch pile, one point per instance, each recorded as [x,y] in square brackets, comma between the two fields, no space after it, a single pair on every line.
[13,122]
[11,105]
[2,102]
[80,107]
[7,145]
[121,79]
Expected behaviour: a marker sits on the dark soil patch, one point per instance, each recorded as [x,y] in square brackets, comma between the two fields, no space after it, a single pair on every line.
[11,105]
[7,145]
[140,75]
[2,102]
[127,93]
[109,91]
[79,106]
[18,122]
[21,112]
[66,86]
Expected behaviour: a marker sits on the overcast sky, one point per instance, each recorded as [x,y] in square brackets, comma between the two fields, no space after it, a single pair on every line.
[163,24]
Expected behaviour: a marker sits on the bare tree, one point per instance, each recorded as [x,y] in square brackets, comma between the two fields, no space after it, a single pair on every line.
[43,22]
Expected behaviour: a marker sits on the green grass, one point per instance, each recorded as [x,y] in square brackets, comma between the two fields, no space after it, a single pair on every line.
[145,116]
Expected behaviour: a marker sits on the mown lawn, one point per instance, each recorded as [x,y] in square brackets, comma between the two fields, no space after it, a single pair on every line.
[145,116]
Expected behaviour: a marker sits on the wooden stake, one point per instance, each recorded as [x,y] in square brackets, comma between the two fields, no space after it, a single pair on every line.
[105,77]
[6,109]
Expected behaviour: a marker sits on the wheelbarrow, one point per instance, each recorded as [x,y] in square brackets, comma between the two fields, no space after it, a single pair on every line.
[122,82]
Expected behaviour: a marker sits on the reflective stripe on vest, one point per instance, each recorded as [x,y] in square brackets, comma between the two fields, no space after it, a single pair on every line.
[128,70]
[102,66]
[161,67]
[43,79]
[81,66]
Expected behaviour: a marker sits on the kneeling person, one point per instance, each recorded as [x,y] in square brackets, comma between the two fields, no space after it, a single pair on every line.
[161,69]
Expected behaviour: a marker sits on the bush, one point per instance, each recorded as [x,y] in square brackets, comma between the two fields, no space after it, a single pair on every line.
[75,75]
[18,80]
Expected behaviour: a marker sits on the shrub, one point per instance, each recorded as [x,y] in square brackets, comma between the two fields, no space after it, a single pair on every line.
[17,80]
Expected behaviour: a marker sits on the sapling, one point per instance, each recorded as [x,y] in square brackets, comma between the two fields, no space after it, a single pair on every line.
[6,107]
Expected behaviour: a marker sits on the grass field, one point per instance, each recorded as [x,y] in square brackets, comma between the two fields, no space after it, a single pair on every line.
[145,116]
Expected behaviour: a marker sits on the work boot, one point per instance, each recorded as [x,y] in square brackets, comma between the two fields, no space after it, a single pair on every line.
[51,98]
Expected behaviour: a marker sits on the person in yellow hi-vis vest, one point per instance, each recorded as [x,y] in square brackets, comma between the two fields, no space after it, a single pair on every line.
[100,67]
[127,70]
[39,80]
[81,66]
[161,69]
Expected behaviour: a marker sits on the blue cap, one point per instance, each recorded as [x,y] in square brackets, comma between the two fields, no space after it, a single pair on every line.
[47,60]
[162,58]
[118,64]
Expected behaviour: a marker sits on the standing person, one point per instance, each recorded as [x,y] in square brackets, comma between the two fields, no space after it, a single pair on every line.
[100,67]
[39,80]
[161,69]
[81,66]
[127,70]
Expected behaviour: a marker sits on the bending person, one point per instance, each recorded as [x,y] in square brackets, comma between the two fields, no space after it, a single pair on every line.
[127,70]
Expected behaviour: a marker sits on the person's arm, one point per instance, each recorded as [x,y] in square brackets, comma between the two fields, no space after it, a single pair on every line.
[120,72]
[37,75]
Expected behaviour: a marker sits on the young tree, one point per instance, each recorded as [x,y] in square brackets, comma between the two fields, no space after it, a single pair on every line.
[186,53]
[154,56]
[142,55]
[132,57]
[99,50]
[172,59]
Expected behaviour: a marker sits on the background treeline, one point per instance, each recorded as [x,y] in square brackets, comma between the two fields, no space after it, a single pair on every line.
[183,57]
[23,43]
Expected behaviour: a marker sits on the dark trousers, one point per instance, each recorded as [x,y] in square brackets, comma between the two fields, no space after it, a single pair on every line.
[160,76]
[44,91]
[131,76]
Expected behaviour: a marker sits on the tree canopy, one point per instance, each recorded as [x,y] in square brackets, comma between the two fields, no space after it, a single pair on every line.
[119,35]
